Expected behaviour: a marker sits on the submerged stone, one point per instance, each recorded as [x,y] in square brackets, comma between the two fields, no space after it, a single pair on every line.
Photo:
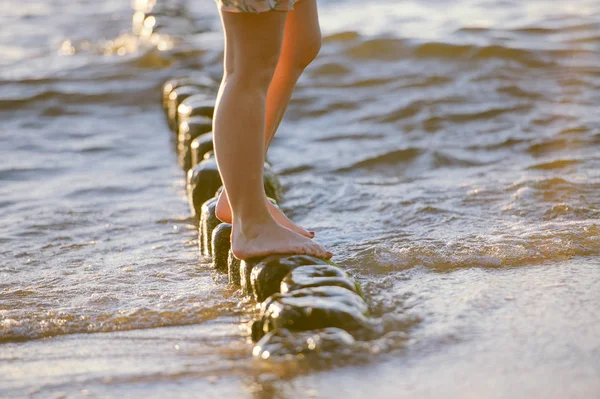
[203,210]
[189,130]
[245,271]
[196,105]
[221,244]
[208,222]
[203,181]
[233,269]
[315,308]
[317,276]
[324,344]
[199,147]
[267,273]
[175,98]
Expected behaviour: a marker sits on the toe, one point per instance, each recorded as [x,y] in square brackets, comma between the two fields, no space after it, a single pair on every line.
[316,250]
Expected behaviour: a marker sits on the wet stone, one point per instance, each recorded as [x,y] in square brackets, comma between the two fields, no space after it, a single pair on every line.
[188,131]
[204,84]
[233,269]
[272,185]
[199,147]
[196,105]
[245,271]
[266,275]
[176,97]
[316,308]
[221,244]
[324,344]
[317,276]
[208,222]
[203,181]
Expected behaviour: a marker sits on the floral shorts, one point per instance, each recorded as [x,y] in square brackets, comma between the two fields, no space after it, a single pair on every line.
[255,6]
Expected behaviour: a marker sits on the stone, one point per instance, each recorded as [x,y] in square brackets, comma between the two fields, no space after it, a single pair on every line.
[189,130]
[203,181]
[272,185]
[221,244]
[233,269]
[196,105]
[208,222]
[324,344]
[245,271]
[267,274]
[199,147]
[202,83]
[175,98]
[317,276]
[316,308]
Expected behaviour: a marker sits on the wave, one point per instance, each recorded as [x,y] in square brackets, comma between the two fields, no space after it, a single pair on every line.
[521,246]
[38,323]
[555,145]
[386,159]
[387,49]
[58,101]
[539,30]
[558,164]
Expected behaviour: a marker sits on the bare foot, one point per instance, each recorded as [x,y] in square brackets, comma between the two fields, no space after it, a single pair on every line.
[270,238]
[223,213]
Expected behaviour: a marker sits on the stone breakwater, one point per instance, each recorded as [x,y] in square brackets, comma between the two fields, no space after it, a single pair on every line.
[299,295]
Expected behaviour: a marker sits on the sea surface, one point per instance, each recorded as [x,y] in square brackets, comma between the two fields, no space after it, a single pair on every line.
[447,152]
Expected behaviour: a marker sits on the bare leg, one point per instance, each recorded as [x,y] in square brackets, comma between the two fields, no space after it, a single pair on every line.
[254,40]
[301,44]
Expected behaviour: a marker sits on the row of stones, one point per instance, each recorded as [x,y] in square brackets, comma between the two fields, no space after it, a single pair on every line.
[296,292]
[151,18]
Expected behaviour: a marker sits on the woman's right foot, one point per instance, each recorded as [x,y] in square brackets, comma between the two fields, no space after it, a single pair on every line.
[223,213]
[270,238]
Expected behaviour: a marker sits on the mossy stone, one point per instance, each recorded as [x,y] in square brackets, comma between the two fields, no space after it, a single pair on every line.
[233,269]
[200,146]
[317,276]
[272,184]
[176,97]
[203,181]
[202,83]
[245,271]
[316,308]
[196,105]
[189,130]
[267,274]
[221,244]
[208,222]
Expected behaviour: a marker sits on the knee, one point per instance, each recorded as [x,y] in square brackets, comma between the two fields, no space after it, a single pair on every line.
[307,51]
[254,72]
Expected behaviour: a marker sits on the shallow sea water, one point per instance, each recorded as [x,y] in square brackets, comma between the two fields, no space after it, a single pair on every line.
[447,152]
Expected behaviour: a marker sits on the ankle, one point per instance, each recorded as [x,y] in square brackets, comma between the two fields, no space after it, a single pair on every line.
[252,226]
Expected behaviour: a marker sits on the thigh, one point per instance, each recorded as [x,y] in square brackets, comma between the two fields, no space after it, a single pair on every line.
[252,40]
[302,35]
